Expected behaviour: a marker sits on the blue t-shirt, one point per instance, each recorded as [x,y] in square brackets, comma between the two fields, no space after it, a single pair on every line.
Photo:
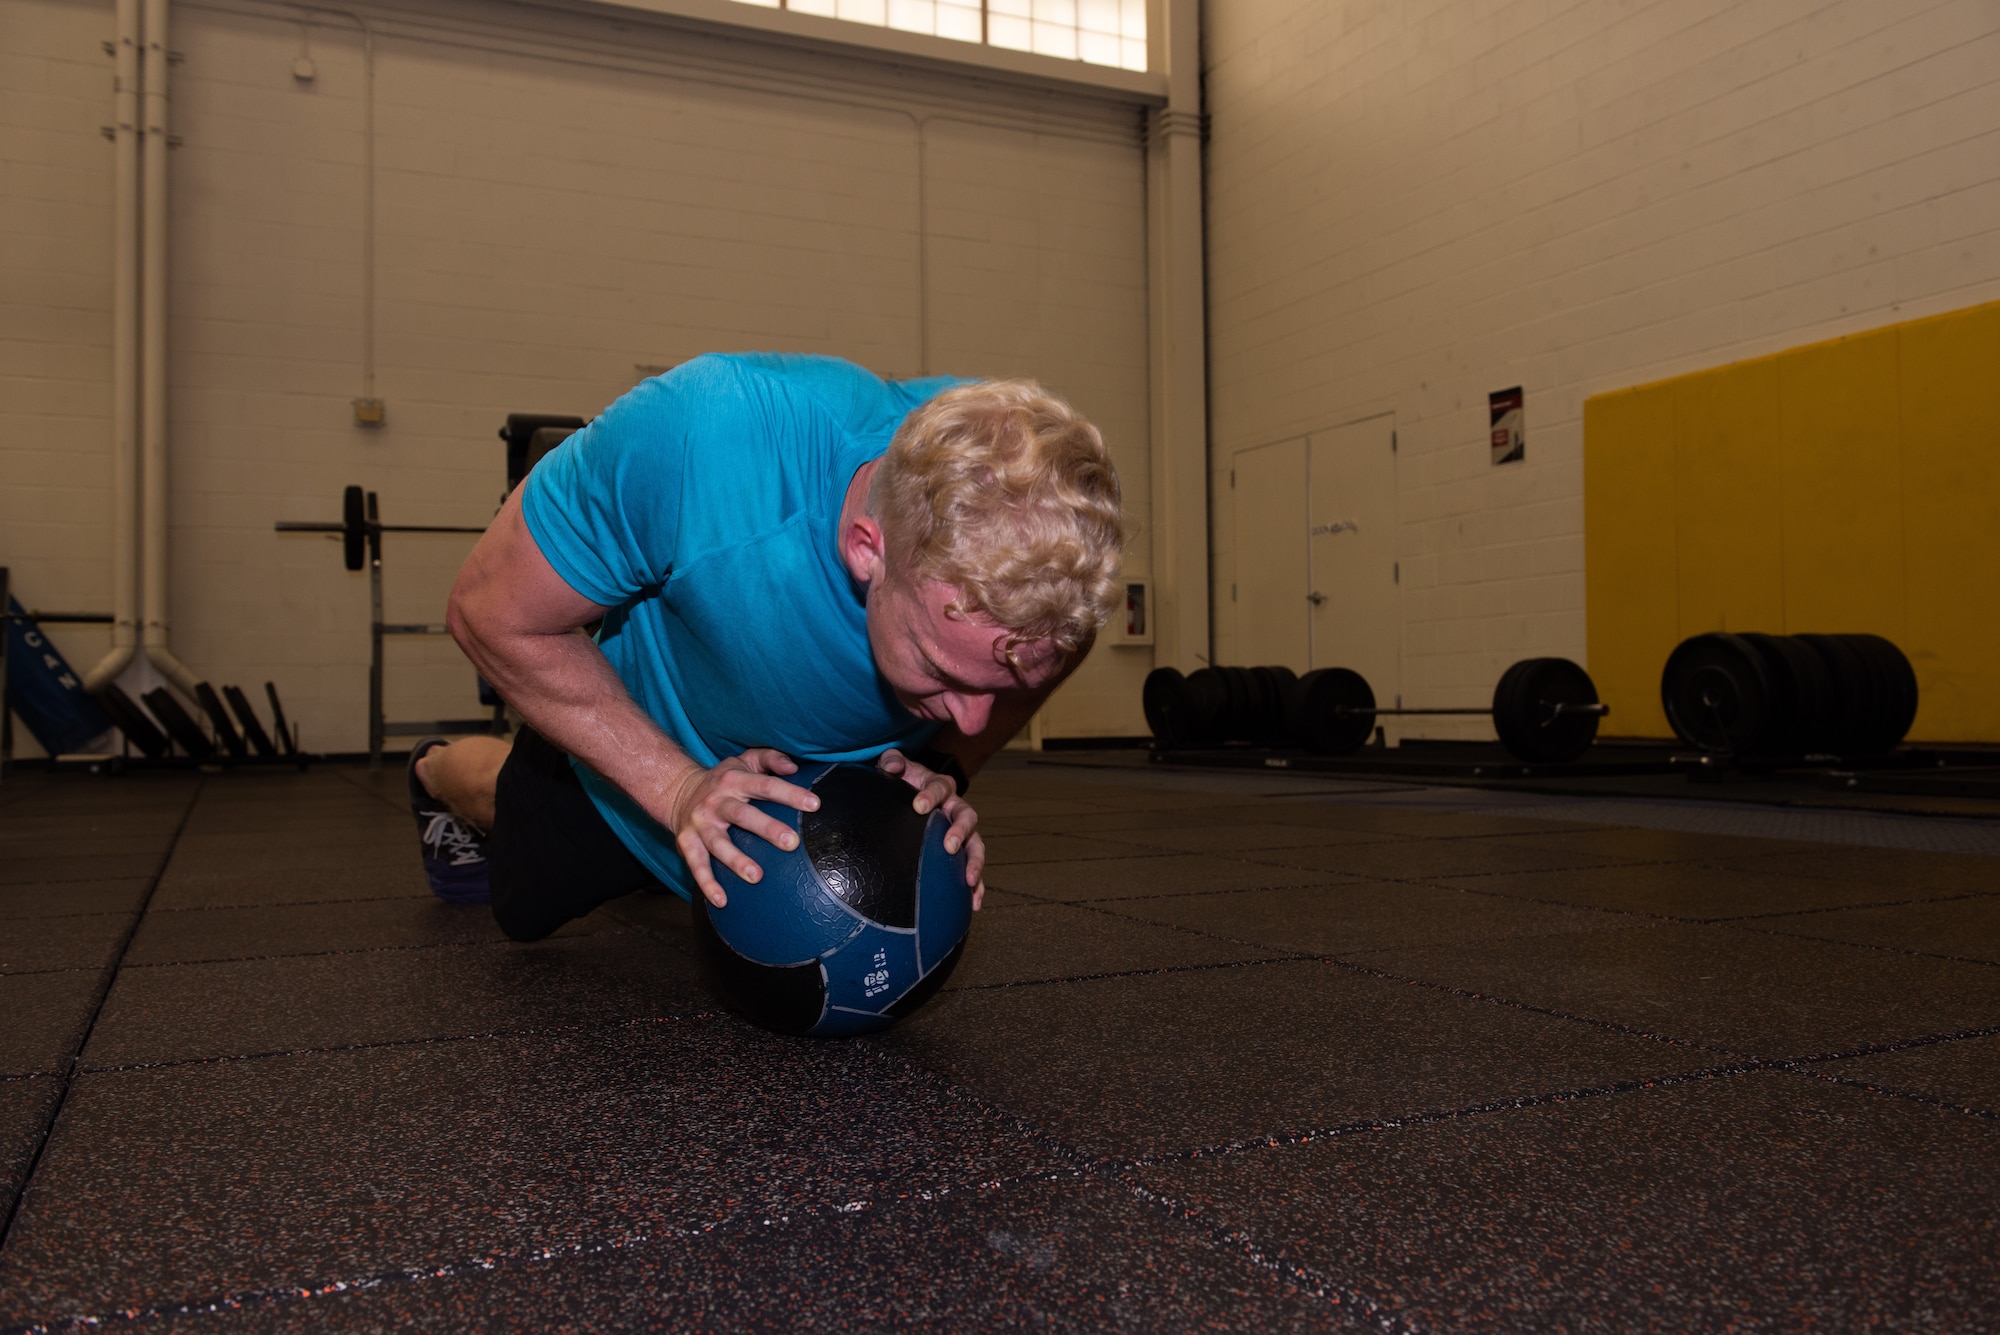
[702,508]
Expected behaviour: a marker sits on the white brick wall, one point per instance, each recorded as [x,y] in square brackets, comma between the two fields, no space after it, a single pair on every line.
[55,313]
[557,200]
[1412,205]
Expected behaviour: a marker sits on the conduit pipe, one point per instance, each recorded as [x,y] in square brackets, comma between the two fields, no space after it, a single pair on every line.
[153,354]
[124,353]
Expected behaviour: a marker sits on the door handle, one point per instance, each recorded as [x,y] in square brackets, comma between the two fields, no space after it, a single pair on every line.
[1315,597]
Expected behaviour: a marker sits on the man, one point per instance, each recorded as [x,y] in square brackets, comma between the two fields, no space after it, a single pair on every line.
[792,559]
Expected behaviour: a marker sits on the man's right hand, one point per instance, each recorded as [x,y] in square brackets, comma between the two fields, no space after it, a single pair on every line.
[705,803]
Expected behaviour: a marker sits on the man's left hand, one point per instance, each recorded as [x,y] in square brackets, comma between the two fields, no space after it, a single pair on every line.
[939,792]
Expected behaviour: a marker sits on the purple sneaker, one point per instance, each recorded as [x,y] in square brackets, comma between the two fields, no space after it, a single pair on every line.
[454,852]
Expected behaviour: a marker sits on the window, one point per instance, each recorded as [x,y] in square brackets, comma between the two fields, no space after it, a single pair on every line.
[1098,32]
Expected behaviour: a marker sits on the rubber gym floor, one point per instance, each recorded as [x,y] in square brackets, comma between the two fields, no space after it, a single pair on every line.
[1225,1052]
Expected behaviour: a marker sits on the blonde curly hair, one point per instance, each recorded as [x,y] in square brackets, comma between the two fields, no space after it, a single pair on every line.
[1007,494]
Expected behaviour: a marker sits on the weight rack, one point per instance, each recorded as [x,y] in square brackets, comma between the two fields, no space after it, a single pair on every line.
[361,529]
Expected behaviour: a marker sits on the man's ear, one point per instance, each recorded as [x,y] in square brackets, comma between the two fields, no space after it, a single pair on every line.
[864,549]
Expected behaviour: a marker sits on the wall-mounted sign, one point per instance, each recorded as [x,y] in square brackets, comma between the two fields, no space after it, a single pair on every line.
[1504,411]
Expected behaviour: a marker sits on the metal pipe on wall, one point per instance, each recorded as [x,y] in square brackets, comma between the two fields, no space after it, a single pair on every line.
[153,353]
[124,352]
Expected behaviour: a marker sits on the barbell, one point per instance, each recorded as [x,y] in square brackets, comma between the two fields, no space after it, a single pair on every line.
[1545,709]
[361,530]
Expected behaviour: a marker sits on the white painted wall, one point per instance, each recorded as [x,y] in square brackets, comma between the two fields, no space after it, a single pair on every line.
[1413,204]
[559,199]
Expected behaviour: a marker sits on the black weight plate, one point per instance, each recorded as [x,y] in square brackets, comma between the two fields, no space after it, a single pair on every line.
[1717,696]
[1262,703]
[354,528]
[1897,710]
[1166,700]
[1275,684]
[1239,714]
[1337,711]
[1208,699]
[1543,730]
[179,725]
[1509,709]
[1813,708]
[218,718]
[1295,707]
[253,730]
[1802,705]
[1853,693]
[133,721]
[279,727]
[1819,696]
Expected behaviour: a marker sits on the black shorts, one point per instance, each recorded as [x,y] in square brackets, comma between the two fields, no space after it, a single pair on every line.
[551,856]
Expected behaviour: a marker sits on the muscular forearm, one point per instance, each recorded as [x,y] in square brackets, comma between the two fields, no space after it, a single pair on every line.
[564,687]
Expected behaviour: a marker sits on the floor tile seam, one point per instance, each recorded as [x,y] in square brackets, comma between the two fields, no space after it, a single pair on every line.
[45,973]
[1893,1045]
[66,1074]
[1328,878]
[383,798]
[1906,1095]
[558,1254]
[292,904]
[1509,1003]
[327,1049]
[1867,904]
[66,917]
[1439,1116]
[1153,848]
[1309,1281]
[1622,865]
[1349,962]
[323,954]
[1905,951]
[63,880]
[1094,906]
[1160,971]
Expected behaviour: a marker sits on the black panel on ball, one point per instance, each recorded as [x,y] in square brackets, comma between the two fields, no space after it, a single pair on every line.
[787,998]
[866,841]
[927,986]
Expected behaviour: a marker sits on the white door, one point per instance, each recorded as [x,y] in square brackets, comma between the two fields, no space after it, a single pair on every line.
[1272,564]
[1356,620]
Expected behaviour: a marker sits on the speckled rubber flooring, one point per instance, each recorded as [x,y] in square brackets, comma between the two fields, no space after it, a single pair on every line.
[1226,1052]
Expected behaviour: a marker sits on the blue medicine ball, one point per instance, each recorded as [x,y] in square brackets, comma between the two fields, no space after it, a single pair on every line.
[852,930]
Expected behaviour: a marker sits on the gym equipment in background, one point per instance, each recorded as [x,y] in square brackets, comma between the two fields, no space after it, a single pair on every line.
[361,529]
[852,930]
[529,436]
[40,686]
[1783,697]
[1545,709]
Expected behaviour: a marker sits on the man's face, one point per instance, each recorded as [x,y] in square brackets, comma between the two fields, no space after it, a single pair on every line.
[948,666]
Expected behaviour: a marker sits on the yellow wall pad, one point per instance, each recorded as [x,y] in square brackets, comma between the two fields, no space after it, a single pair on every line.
[1845,486]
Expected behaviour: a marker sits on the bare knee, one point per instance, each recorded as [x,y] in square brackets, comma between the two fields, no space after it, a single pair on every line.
[464,775]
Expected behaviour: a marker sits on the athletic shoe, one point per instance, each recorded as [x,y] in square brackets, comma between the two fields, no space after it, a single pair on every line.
[454,852]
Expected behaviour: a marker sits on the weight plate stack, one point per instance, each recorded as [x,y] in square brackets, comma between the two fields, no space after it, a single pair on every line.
[1803,707]
[1847,732]
[1209,697]
[1165,699]
[1894,707]
[1534,710]
[1273,687]
[1717,695]
[1331,711]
